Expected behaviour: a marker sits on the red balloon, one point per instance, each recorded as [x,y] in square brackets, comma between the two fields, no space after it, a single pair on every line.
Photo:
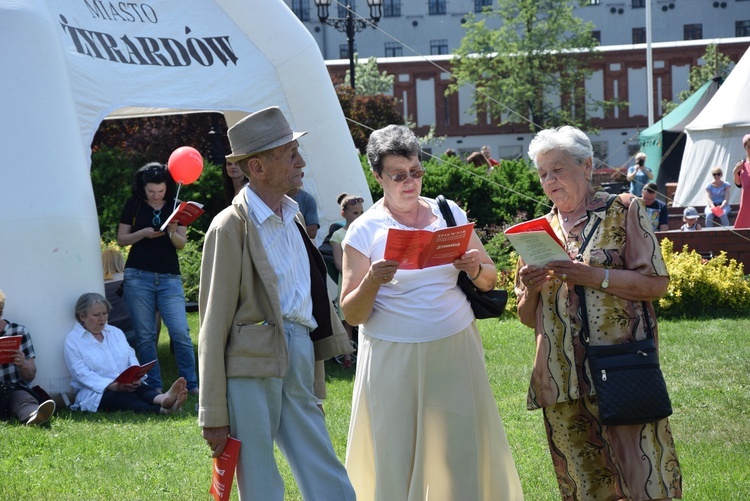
[185,165]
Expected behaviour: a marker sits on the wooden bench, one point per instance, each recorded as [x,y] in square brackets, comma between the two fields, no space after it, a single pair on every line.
[675,215]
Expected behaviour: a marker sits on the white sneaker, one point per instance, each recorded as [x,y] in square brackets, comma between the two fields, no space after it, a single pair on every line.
[42,413]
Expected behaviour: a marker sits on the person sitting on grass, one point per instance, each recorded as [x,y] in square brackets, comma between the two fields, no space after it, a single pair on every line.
[96,354]
[16,396]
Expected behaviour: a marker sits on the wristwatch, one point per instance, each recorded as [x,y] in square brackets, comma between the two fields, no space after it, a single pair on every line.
[605,282]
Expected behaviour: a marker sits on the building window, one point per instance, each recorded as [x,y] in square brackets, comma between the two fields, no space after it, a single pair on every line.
[393,49]
[638,4]
[742,28]
[594,2]
[344,50]
[479,5]
[438,47]
[343,10]
[436,7]
[639,35]
[692,31]
[301,9]
[597,35]
[391,8]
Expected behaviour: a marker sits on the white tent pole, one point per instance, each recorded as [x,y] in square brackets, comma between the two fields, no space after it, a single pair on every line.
[649,66]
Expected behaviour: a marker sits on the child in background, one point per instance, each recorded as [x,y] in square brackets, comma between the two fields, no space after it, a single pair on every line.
[690,217]
[351,209]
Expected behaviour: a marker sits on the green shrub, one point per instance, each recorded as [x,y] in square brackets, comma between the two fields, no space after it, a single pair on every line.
[700,288]
[510,193]
[190,263]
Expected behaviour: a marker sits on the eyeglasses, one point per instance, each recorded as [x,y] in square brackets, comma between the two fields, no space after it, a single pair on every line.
[717,174]
[156,221]
[355,201]
[401,176]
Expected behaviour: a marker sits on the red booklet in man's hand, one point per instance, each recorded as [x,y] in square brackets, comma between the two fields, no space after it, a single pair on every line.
[223,471]
[134,373]
[185,213]
[8,346]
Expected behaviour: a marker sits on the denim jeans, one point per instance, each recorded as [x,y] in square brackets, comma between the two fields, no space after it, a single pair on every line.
[146,292]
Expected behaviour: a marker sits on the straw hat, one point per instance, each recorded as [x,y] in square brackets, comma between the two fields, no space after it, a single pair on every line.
[260,131]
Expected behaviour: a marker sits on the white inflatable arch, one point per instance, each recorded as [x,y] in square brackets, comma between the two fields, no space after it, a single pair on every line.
[69,64]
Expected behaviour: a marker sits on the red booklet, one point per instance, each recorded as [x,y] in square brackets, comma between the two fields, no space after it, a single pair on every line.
[134,373]
[536,242]
[185,213]
[417,249]
[8,346]
[224,466]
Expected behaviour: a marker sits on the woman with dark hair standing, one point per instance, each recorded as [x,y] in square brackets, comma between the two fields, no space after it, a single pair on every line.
[234,181]
[152,271]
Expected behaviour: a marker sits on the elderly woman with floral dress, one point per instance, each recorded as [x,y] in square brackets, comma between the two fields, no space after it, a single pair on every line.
[621,270]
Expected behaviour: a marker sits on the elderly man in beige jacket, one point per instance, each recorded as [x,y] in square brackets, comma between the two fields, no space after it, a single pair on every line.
[265,318]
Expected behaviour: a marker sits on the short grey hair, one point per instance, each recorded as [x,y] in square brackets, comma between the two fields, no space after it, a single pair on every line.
[87,301]
[396,140]
[567,138]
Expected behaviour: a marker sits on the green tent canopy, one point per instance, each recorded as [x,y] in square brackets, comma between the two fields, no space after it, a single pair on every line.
[664,142]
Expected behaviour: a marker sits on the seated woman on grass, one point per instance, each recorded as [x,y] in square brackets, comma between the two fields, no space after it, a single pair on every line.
[97,353]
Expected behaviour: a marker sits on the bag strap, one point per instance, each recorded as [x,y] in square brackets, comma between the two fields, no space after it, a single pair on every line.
[582,294]
[445,210]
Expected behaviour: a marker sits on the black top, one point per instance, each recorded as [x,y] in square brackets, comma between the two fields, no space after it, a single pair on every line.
[119,315]
[156,255]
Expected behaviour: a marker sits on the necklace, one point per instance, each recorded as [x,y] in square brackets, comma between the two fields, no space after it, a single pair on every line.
[565,219]
[401,220]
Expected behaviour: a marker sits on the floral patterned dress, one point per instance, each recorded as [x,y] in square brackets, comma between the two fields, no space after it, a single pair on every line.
[592,460]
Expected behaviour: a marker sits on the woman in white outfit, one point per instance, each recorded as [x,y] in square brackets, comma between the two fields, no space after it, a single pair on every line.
[424,421]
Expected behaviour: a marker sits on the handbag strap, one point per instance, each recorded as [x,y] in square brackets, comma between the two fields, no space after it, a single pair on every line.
[445,210]
[582,294]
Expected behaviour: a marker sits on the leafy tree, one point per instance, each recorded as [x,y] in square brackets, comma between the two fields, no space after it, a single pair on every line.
[531,68]
[367,113]
[512,191]
[368,80]
[716,64]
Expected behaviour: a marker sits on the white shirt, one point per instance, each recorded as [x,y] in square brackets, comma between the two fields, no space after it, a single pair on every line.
[287,253]
[94,365]
[424,305]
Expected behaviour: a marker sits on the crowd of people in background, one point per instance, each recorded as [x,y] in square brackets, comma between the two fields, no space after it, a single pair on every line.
[423,416]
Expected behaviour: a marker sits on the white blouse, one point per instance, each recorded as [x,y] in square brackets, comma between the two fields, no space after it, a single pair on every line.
[94,365]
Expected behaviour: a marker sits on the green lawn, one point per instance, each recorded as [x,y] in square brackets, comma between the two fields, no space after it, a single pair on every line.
[124,456]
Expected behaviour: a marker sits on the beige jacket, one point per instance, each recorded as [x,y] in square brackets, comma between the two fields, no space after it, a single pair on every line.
[241,325]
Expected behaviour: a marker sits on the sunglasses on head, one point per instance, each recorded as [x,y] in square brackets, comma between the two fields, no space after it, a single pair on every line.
[401,176]
[355,201]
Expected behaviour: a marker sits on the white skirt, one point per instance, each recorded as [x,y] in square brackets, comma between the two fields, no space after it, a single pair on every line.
[425,424]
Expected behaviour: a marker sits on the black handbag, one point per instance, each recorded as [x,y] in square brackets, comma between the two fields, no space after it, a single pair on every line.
[629,384]
[627,378]
[485,304]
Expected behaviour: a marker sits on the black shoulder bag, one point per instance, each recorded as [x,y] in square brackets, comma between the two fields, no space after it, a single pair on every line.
[489,304]
[627,378]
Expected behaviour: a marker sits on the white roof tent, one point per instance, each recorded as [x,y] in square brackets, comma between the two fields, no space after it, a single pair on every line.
[714,138]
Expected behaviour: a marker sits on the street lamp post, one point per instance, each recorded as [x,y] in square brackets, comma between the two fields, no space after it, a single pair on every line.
[349,25]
